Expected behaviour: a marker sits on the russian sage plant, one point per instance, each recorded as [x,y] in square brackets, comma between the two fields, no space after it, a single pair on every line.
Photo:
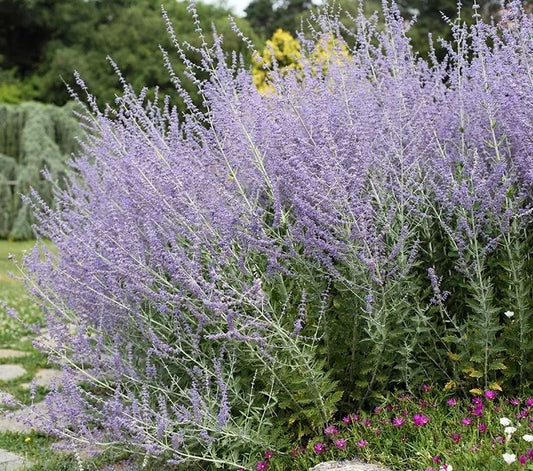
[229,278]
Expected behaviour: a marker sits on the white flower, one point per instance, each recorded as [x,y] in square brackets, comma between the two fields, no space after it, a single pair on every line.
[528,438]
[509,313]
[509,458]
[446,467]
[509,430]
[505,421]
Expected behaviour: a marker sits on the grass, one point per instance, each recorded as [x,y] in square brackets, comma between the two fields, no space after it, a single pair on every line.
[13,334]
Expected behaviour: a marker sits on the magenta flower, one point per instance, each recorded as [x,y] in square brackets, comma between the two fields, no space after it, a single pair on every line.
[435,459]
[269,454]
[420,420]
[426,388]
[361,443]
[490,394]
[514,402]
[523,414]
[456,437]
[452,401]
[398,421]
[467,421]
[423,404]
[366,422]
[477,400]
[262,466]
[529,402]
[522,459]
[331,430]
[319,448]
[482,427]
[378,410]
[346,419]
[340,443]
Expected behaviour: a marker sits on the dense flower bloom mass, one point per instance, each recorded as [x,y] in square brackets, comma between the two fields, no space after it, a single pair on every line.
[199,251]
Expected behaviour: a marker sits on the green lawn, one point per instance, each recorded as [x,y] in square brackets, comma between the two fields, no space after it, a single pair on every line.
[13,293]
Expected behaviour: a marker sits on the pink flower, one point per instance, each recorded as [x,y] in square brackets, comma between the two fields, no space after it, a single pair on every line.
[482,427]
[331,430]
[420,420]
[366,422]
[456,437]
[319,448]
[490,394]
[426,388]
[362,443]
[346,419]
[269,454]
[522,459]
[340,443]
[378,410]
[467,421]
[514,401]
[435,459]
[529,401]
[262,465]
[452,401]
[398,421]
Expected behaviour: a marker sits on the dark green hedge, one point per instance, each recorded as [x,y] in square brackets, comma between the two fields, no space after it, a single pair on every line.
[33,136]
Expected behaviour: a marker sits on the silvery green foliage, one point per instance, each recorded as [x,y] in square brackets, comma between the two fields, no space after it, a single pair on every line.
[211,268]
[33,138]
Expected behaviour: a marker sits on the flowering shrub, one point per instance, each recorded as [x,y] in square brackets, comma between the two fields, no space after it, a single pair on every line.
[224,278]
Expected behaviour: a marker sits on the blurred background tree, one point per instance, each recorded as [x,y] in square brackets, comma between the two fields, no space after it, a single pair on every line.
[44,41]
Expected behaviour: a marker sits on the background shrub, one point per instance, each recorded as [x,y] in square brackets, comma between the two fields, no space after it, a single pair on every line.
[33,138]
[235,277]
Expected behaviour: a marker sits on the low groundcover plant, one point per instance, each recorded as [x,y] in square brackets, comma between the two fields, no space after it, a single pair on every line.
[432,431]
[229,279]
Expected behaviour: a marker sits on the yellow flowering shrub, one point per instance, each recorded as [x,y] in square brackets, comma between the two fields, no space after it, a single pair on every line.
[288,55]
